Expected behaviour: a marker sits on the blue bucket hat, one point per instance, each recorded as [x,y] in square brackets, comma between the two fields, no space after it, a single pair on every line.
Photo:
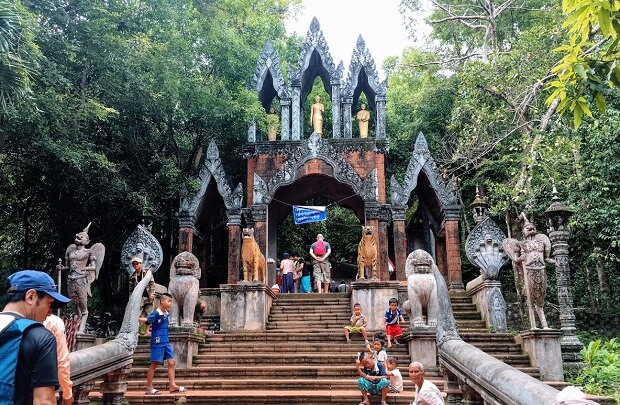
[25,280]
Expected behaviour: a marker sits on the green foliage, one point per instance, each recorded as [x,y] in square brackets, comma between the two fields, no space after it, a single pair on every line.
[126,97]
[18,53]
[589,65]
[602,373]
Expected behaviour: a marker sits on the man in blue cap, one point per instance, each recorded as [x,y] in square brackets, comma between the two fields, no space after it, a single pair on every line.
[31,295]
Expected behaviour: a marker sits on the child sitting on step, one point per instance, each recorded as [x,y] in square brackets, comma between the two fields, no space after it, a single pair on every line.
[396,378]
[372,378]
[377,350]
[357,324]
[393,317]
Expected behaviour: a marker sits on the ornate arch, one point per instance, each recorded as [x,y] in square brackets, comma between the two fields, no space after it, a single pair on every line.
[269,64]
[212,168]
[308,65]
[316,147]
[363,62]
[422,162]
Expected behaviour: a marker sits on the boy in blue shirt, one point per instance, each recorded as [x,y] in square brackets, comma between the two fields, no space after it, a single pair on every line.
[160,345]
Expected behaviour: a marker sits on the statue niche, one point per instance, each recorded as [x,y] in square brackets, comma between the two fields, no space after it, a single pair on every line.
[184,288]
[252,259]
[421,288]
[367,254]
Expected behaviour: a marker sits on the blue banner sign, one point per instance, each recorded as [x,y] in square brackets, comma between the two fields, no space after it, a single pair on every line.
[306,214]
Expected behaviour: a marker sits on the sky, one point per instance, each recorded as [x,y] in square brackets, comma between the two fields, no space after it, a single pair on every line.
[342,21]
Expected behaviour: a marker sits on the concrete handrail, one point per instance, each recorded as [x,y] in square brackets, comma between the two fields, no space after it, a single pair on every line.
[92,362]
[495,381]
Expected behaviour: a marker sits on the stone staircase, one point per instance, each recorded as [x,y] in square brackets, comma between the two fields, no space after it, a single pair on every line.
[302,358]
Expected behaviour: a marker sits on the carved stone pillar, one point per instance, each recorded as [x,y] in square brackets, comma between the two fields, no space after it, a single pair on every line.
[82,391]
[252,132]
[296,118]
[335,108]
[259,216]
[346,117]
[557,216]
[114,386]
[453,255]
[234,245]
[440,256]
[186,239]
[380,133]
[382,249]
[285,118]
[202,253]
[400,241]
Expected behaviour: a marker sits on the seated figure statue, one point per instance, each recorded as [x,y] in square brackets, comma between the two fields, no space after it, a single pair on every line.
[421,288]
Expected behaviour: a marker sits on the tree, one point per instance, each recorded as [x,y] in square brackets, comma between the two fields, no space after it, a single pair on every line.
[589,67]
[16,47]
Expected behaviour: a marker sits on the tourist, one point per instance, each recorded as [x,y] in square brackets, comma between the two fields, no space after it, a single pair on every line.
[316,115]
[31,295]
[148,296]
[396,378]
[57,326]
[426,393]
[287,270]
[343,287]
[357,324]
[305,286]
[160,345]
[320,251]
[393,317]
[372,378]
[298,265]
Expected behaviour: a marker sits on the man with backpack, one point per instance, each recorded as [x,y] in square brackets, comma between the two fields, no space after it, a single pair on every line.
[320,251]
[28,364]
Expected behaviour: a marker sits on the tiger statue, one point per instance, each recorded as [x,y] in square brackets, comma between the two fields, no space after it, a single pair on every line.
[367,254]
[252,259]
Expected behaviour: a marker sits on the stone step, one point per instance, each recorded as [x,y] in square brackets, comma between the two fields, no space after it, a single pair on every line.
[288,358]
[337,324]
[263,397]
[342,318]
[241,347]
[279,384]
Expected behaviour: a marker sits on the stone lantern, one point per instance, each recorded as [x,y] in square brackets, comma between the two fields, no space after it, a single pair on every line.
[479,207]
[557,216]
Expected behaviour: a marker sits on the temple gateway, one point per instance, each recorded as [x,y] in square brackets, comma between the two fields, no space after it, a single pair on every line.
[336,164]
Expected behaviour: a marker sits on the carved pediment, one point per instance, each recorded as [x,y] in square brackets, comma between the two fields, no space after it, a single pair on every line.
[212,168]
[315,147]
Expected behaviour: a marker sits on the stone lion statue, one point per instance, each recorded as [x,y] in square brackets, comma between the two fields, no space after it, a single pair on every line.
[184,288]
[367,254]
[252,259]
[421,288]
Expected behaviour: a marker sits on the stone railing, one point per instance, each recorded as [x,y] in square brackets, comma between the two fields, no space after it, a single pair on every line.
[112,360]
[474,377]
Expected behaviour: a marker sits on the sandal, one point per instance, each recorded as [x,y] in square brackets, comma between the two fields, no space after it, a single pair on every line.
[384,403]
[181,389]
[152,391]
